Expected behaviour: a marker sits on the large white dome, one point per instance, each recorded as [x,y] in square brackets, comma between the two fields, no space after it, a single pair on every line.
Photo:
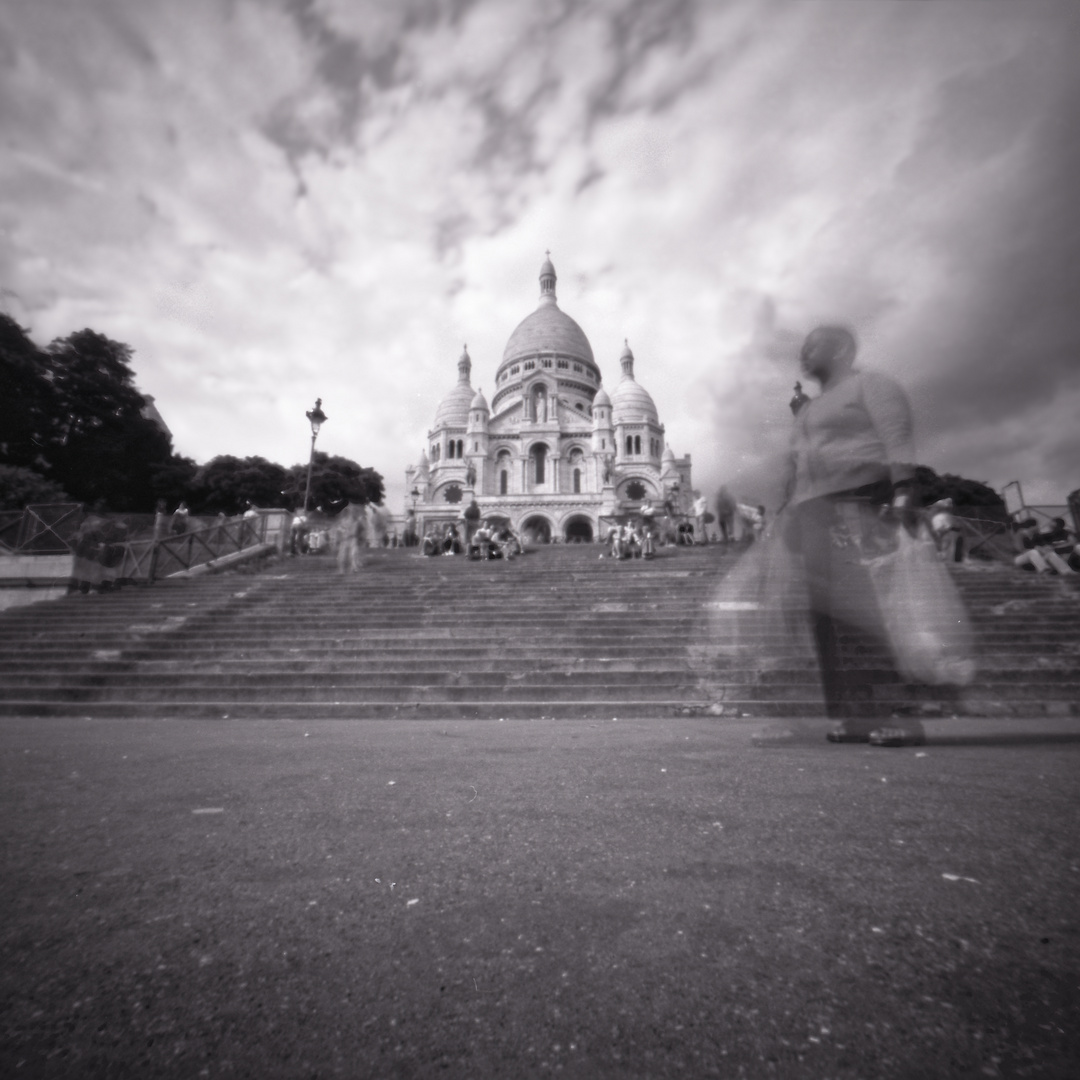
[548,330]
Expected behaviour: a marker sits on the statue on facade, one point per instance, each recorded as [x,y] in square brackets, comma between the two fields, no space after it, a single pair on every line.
[470,475]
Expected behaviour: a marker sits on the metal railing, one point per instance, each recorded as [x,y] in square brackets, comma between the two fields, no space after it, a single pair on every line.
[111,548]
[40,529]
[165,554]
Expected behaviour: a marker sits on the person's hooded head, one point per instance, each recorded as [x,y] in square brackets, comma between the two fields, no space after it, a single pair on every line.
[828,351]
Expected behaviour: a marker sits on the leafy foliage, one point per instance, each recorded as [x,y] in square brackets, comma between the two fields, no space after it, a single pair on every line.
[228,485]
[25,398]
[334,481]
[171,481]
[100,445]
[19,487]
[933,487]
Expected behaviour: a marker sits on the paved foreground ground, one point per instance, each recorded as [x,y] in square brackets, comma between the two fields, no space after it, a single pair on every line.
[493,899]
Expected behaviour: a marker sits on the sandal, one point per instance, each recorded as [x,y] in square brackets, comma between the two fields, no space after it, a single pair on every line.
[898,736]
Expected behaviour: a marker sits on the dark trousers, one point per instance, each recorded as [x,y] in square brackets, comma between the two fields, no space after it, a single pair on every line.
[845,620]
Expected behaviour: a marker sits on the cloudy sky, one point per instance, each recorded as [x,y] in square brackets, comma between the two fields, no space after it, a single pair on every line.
[273,200]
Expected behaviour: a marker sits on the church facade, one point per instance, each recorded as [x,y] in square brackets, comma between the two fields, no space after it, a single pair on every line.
[554,452]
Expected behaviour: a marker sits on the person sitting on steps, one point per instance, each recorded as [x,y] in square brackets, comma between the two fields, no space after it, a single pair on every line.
[1053,549]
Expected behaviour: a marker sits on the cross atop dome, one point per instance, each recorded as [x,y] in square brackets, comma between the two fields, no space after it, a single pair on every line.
[464,365]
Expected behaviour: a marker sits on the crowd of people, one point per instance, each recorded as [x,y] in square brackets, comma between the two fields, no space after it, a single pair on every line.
[480,539]
[1048,548]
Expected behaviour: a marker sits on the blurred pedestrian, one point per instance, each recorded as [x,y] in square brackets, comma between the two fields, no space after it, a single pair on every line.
[725,515]
[851,455]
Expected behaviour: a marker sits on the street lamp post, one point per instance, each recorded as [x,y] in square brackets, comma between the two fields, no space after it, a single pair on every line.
[415,494]
[316,417]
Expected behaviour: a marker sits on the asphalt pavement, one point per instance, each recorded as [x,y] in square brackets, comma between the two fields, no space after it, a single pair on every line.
[615,898]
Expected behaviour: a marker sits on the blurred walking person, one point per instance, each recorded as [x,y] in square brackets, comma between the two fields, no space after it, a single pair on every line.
[851,455]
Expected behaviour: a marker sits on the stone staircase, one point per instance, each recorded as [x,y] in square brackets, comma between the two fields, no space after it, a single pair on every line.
[560,632]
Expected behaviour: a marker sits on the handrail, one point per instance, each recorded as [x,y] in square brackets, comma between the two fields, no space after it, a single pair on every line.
[162,556]
[40,529]
[101,560]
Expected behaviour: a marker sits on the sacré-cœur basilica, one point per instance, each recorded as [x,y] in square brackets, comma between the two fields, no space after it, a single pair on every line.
[554,452]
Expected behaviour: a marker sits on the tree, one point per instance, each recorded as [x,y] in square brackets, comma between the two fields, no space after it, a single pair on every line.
[25,399]
[334,480]
[933,487]
[228,484]
[101,447]
[20,487]
[172,480]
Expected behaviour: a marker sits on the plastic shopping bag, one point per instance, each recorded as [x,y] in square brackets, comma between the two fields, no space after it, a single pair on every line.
[924,618]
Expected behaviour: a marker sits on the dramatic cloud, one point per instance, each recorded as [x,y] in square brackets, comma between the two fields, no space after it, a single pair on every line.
[274,201]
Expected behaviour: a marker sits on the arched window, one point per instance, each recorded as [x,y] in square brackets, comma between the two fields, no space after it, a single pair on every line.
[637,444]
[629,444]
[502,467]
[539,456]
[577,481]
[450,449]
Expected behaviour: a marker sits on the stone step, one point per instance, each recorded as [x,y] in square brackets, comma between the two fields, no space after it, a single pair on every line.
[624,707]
[558,632]
[477,686]
[445,643]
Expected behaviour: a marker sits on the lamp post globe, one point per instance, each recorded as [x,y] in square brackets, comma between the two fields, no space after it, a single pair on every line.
[316,418]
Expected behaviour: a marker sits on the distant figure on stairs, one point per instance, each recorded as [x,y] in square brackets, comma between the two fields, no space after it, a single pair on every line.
[946,534]
[180,519]
[1053,549]
[451,543]
[350,535]
[725,515]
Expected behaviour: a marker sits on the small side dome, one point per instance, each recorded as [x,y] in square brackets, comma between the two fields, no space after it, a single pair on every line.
[479,402]
[453,410]
[601,398]
[668,455]
[631,402]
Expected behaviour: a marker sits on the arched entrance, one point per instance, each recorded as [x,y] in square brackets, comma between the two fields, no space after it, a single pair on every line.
[536,530]
[578,530]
